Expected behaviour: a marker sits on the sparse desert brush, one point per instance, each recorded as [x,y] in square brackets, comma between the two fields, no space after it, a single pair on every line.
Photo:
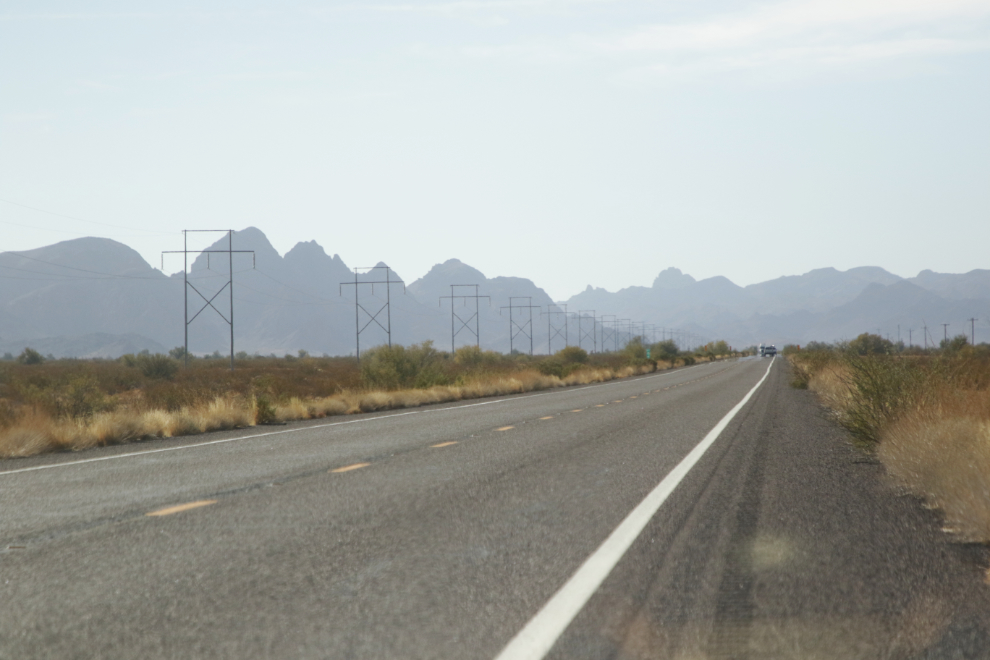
[926,417]
[833,386]
[69,405]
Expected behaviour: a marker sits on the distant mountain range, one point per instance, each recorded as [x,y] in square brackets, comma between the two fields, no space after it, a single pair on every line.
[95,297]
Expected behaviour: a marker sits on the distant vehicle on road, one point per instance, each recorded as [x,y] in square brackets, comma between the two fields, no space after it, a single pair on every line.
[768,351]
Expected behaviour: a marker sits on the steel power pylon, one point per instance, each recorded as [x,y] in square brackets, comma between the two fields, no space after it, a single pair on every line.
[526,326]
[358,307]
[621,329]
[556,331]
[607,334]
[208,302]
[465,323]
[582,333]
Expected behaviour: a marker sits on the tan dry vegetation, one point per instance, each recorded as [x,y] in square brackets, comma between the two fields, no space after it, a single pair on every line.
[926,419]
[943,454]
[36,431]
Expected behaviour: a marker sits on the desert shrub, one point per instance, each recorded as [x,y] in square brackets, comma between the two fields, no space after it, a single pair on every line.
[955,344]
[635,351]
[264,410]
[883,388]
[664,350]
[157,366]
[867,344]
[468,356]
[572,355]
[73,397]
[551,367]
[30,356]
[395,367]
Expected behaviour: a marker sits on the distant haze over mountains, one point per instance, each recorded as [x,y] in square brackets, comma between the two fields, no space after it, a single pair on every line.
[94,297]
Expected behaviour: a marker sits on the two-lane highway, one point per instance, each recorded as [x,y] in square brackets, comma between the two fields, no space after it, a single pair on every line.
[442,532]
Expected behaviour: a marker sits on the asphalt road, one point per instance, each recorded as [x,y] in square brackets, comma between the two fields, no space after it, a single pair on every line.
[445,531]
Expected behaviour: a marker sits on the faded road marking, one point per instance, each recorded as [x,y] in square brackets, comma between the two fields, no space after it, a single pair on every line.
[547,417]
[348,468]
[443,444]
[505,428]
[167,511]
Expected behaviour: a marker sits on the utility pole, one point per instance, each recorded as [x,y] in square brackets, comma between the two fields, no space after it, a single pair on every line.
[208,302]
[945,332]
[465,323]
[358,307]
[972,331]
[910,338]
[526,327]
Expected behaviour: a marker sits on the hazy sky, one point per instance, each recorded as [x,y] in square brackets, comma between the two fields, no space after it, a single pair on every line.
[573,142]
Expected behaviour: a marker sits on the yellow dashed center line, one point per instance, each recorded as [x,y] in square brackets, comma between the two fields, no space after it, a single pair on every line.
[599,405]
[578,410]
[634,397]
[547,417]
[348,468]
[443,444]
[167,511]
[619,401]
[505,428]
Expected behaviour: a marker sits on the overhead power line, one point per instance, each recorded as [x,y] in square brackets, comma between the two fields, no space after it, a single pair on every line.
[92,222]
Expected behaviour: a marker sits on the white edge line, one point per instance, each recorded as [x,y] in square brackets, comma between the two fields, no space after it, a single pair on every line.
[539,635]
[565,390]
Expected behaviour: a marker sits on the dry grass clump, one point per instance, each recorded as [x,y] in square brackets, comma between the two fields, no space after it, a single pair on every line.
[943,454]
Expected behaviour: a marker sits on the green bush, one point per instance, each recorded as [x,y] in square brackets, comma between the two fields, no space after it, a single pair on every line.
[158,366]
[397,367]
[867,344]
[473,358]
[884,387]
[572,355]
[264,410]
[551,366]
[30,356]
[955,344]
[665,350]
[77,396]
